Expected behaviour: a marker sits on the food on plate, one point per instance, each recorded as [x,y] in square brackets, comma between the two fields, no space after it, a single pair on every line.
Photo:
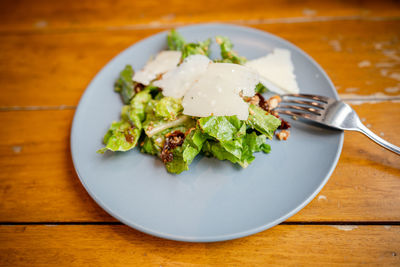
[182,103]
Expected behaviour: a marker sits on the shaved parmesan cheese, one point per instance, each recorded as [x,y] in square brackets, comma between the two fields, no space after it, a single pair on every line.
[177,81]
[276,68]
[163,62]
[216,92]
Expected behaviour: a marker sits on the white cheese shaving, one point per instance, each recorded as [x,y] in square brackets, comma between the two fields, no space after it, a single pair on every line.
[177,81]
[217,88]
[276,68]
[216,92]
[163,62]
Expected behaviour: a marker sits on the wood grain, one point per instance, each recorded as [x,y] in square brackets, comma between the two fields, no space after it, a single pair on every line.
[38,182]
[45,15]
[122,246]
[366,181]
[54,69]
[50,51]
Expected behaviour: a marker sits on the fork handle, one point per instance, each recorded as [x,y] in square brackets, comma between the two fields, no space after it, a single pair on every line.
[377,139]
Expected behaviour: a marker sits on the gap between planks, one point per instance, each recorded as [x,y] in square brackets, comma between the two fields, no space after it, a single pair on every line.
[392,223]
[163,25]
[36,108]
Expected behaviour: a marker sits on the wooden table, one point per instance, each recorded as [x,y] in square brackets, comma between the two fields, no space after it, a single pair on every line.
[49,52]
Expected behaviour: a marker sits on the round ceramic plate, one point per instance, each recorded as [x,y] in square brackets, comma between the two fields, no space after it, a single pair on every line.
[214,200]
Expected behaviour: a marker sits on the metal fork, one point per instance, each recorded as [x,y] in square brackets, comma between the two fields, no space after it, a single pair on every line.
[330,112]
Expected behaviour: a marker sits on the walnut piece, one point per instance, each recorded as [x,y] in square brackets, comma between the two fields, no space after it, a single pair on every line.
[254,100]
[283,135]
[274,101]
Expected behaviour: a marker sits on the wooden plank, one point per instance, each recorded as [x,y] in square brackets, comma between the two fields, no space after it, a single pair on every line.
[47,15]
[36,161]
[38,181]
[54,69]
[46,72]
[366,182]
[121,246]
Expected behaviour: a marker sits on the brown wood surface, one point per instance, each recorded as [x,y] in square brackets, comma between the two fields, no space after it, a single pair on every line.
[364,187]
[49,52]
[117,245]
[54,69]
[45,15]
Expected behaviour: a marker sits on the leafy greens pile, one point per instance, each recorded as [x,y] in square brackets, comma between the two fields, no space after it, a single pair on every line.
[157,124]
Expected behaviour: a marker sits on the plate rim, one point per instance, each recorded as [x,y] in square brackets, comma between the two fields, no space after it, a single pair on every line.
[212,238]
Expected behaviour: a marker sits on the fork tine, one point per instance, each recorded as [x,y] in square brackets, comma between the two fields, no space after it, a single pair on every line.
[323,99]
[299,114]
[310,103]
[301,108]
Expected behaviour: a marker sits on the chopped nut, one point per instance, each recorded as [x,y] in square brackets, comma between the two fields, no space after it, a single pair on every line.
[283,135]
[251,112]
[172,140]
[274,101]
[277,97]
[254,100]
[262,103]
[284,125]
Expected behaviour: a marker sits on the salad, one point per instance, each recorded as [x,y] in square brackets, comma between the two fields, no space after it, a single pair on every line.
[183,103]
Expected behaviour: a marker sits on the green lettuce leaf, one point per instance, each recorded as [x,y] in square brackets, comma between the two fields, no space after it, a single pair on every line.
[215,149]
[260,88]
[178,164]
[262,121]
[182,155]
[162,114]
[150,147]
[265,148]
[228,130]
[169,108]
[227,54]
[175,41]
[125,85]
[122,136]
[135,112]
[153,145]
[199,48]
[192,145]
[218,127]
[250,143]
